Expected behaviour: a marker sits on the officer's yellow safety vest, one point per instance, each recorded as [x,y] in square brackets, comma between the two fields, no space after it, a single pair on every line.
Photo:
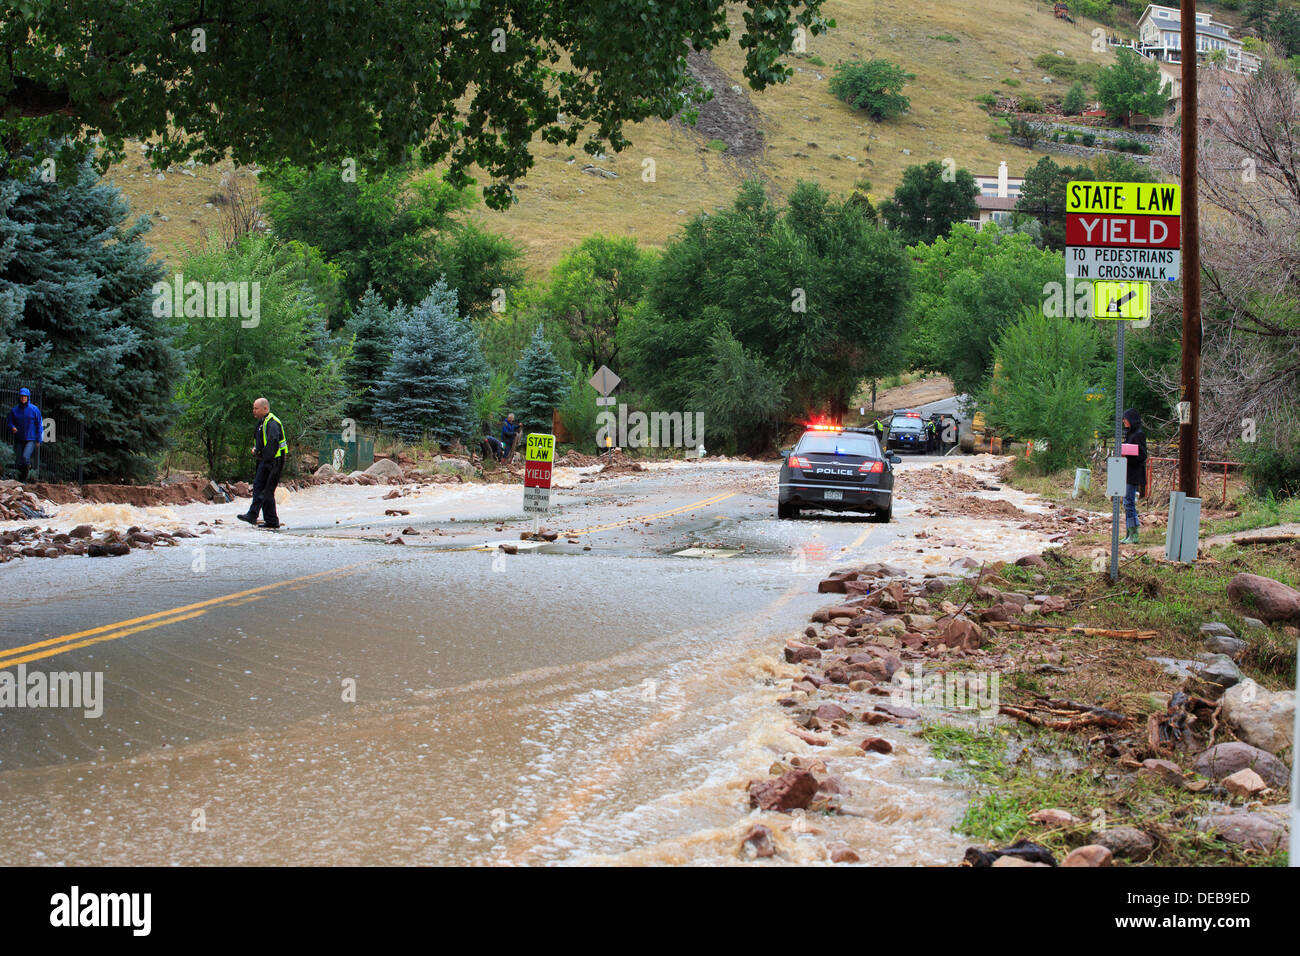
[284,444]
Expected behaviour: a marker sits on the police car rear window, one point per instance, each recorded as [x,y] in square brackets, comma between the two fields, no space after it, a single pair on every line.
[863,445]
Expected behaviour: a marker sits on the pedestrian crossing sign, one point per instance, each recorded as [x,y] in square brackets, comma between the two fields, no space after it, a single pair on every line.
[1121,300]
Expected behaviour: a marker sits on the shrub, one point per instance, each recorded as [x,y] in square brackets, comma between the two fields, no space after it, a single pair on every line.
[874,86]
[1030,104]
[1071,138]
[1089,139]
[1051,364]
[987,100]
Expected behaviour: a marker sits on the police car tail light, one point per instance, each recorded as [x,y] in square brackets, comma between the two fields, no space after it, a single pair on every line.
[871,467]
[797,462]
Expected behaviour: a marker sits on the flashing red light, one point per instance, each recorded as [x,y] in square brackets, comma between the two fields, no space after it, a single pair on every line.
[871,467]
[796,462]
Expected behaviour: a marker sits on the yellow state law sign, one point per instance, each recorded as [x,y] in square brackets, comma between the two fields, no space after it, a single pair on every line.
[1124,199]
[1121,300]
[540,448]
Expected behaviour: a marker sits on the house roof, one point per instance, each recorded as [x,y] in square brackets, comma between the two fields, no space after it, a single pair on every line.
[996,203]
[1167,17]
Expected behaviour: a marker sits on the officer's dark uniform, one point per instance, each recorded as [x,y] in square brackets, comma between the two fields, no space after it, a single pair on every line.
[271,448]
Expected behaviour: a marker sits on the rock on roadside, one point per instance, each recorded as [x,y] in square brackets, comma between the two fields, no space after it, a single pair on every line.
[1274,600]
[1223,760]
[1262,718]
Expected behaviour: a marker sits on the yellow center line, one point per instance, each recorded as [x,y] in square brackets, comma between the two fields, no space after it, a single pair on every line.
[38,655]
[65,642]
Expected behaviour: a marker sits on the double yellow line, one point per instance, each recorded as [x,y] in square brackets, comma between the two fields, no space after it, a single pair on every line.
[110,632]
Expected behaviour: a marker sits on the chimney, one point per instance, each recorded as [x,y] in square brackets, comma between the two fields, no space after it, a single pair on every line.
[1002,179]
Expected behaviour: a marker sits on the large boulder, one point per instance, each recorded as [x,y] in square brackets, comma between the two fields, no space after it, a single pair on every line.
[1264,830]
[325,471]
[1273,600]
[961,634]
[1262,718]
[454,466]
[1223,760]
[790,791]
[384,468]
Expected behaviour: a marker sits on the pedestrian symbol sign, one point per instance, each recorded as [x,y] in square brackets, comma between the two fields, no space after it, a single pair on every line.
[1121,300]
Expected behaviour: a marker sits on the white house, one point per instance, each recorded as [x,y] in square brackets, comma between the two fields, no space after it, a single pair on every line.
[997,197]
[1159,37]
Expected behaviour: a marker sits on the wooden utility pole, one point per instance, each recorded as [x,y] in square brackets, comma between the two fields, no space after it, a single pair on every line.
[1189,431]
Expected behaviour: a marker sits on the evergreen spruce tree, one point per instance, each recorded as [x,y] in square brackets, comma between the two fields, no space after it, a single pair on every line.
[436,369]
[373,328]
[1075,100]
[540,385]
[76,297]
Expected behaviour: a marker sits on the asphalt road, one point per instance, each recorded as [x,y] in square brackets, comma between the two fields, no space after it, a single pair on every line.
[377,663]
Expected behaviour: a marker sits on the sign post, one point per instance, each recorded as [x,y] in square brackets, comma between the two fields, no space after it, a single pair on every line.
[539,454]
[1128,234]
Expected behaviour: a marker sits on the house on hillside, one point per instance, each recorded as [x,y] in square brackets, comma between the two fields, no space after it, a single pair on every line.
[1159,37]
[997,197]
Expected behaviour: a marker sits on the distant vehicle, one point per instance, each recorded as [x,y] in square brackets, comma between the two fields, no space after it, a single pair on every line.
[837,469]
[906,431]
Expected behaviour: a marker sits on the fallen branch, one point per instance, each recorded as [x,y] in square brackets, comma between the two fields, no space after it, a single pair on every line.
[1065,715]
[1131,635]
[1266,539]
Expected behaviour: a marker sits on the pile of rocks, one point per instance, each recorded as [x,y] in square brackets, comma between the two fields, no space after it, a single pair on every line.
[33,542]
[18,504]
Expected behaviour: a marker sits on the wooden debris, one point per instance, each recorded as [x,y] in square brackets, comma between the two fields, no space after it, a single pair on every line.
[1056,714]
[1266,539]
[1129,635]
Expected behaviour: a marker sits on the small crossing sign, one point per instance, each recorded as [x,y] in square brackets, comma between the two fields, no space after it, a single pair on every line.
[1121,300]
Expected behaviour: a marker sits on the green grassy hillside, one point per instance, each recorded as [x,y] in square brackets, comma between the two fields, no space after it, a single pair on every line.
[957,49]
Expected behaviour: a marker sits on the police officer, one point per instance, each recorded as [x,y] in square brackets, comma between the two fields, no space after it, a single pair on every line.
[931,435]
[270,449]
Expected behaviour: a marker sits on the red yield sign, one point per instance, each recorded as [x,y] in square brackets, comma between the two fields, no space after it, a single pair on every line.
[1151,232]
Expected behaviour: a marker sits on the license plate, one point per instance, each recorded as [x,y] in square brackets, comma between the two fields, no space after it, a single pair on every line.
[834,496]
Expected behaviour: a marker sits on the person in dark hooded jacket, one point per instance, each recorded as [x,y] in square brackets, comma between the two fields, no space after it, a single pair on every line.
[1135,478]
[25,428]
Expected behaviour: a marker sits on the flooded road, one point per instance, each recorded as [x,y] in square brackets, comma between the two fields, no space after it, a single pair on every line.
[320,697]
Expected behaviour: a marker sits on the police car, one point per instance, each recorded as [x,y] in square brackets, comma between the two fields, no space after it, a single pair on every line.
[837,469]
[906,430]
